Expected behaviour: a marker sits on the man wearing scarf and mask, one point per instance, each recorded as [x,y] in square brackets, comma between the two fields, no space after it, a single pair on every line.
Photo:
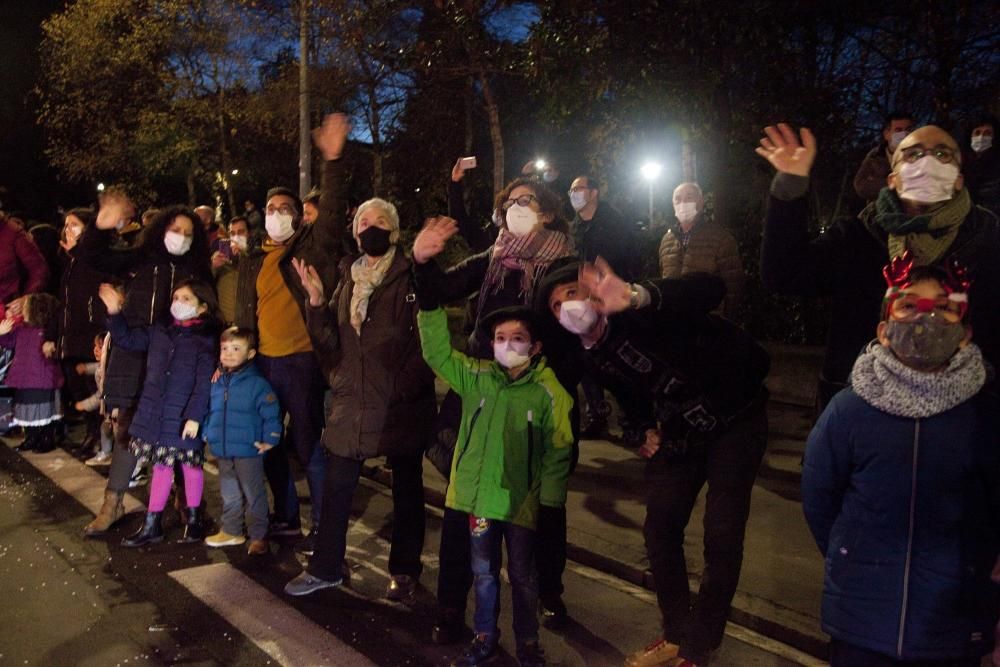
[695,381]
[924,208]
[271,301]
[381,397]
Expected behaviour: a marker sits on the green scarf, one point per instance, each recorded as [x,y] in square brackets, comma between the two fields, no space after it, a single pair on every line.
[927,236]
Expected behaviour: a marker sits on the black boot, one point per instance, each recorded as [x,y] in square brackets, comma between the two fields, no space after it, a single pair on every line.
[151,531]
[194,527]
[30,442]
[47,438]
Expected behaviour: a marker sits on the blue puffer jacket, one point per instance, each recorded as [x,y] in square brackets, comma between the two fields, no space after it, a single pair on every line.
[907,514]
[244,410]
[180,362]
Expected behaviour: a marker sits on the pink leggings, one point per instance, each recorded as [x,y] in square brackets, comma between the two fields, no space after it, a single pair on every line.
[163,478]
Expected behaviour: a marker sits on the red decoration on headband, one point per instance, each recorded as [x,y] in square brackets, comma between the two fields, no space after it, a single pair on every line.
[959,280]
[897,271]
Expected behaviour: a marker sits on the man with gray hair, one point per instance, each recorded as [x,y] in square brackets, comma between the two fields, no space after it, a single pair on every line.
[699,244]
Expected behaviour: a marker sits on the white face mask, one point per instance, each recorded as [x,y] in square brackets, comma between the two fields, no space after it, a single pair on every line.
[686,211]
[183,311]
[578,200]
[176,243]
[510,354]
[521,220]
[279,226]
[895,139]
[239,242]
[981,143]
[927,181]
[577,317]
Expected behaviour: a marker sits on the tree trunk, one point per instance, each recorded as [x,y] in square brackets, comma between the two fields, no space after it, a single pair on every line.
[496,134]
[305,153]
[224,159]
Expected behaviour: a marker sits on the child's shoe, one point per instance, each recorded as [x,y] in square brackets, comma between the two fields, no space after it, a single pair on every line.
[150,532]
[258,548]
[139,476]
[480,651]
[530,654]
[30,442]
[224,539]
[660,653]
[194,526]
[99,459]
[305,583]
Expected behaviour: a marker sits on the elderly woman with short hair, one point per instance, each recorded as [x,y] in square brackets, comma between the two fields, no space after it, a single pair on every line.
[382,397]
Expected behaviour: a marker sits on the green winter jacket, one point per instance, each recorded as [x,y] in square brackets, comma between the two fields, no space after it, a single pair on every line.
[514,444]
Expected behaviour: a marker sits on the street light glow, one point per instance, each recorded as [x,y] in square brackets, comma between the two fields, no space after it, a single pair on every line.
[651,170]
[540,164]
[235,171]
[100,187]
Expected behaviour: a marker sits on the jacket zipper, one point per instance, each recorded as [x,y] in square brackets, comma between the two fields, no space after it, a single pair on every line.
[531,450]
[909,538]
[225,411]
[468,436]
[152,302]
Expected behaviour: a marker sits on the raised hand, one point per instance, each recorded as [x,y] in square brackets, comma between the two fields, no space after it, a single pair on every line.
[651,445]
[116,210]
[457,172]
[433,238]
[6,326]
[219,260]
[311,281]
[331,136]
[609,293]
[49,349]
[190,429]
[784,151]
[111,298]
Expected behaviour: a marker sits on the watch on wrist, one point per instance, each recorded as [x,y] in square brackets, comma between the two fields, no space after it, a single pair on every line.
[633,296]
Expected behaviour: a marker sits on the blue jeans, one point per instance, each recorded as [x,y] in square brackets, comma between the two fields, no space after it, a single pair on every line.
[239,479]
[486,536]
[298,382]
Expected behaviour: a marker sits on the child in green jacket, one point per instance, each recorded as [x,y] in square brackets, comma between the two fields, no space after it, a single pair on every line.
[512,455]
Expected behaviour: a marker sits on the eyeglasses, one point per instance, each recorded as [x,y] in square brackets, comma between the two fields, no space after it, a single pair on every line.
[909,307]
[942,154]
[284,209]
[523,200]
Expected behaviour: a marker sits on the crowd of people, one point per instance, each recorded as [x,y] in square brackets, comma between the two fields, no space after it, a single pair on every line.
[290,337]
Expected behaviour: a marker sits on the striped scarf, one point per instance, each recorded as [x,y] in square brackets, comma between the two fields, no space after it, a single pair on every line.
[531,255]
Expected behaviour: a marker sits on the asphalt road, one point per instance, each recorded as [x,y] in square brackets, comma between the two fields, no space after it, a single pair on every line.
[67,600]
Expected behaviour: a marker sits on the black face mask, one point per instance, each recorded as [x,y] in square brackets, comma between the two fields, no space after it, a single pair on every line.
[374,241]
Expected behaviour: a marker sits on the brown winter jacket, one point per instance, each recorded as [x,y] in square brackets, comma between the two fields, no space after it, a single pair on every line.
[711,249]
[872,173]
[381,390]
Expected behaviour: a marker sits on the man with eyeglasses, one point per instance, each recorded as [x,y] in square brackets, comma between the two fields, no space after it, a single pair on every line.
[271,301]
[872,173]
[923,208]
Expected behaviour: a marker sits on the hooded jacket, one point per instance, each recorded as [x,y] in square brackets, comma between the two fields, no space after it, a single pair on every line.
[514,442]
[243,410]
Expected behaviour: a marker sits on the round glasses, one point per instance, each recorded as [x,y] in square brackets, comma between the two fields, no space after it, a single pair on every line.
[942,154]
[909,307]
[523,200]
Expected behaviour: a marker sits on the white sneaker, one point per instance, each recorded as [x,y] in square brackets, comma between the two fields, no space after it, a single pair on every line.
[99,459]
[224,539]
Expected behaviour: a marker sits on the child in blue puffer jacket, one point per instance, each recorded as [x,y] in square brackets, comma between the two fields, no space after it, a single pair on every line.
[901,486]
[244,421]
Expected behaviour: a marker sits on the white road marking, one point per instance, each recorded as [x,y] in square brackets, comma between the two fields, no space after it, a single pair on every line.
[282,632]
[78,480]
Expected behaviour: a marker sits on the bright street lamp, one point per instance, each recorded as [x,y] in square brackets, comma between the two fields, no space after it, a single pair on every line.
[234,172]
[540,164]
[100,187]
[651,171]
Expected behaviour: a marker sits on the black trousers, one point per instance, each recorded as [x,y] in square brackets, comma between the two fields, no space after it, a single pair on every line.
[728,464]
[342,474]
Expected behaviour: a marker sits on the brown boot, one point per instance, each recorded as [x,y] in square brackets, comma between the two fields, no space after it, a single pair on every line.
[112,510]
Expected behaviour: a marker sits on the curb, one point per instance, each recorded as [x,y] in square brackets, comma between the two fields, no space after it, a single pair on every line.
[762,616]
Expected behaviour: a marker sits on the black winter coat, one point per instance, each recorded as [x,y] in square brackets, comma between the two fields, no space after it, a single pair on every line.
[845,263]
[382,398]
[83,314]
[180,362]
[150,279]
[608,235]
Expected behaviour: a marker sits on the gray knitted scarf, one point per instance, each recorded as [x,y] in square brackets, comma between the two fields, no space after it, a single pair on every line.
[891,386]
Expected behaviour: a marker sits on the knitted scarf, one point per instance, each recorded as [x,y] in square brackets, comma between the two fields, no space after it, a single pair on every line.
[927,236]
[888,384]
[366,278]
[531,255]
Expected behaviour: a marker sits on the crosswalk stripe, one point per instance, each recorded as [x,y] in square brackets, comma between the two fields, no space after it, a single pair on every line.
[77,479]
[282,632]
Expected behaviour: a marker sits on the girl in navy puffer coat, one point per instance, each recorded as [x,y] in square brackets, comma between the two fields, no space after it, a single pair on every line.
[180,361]
[901,489]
